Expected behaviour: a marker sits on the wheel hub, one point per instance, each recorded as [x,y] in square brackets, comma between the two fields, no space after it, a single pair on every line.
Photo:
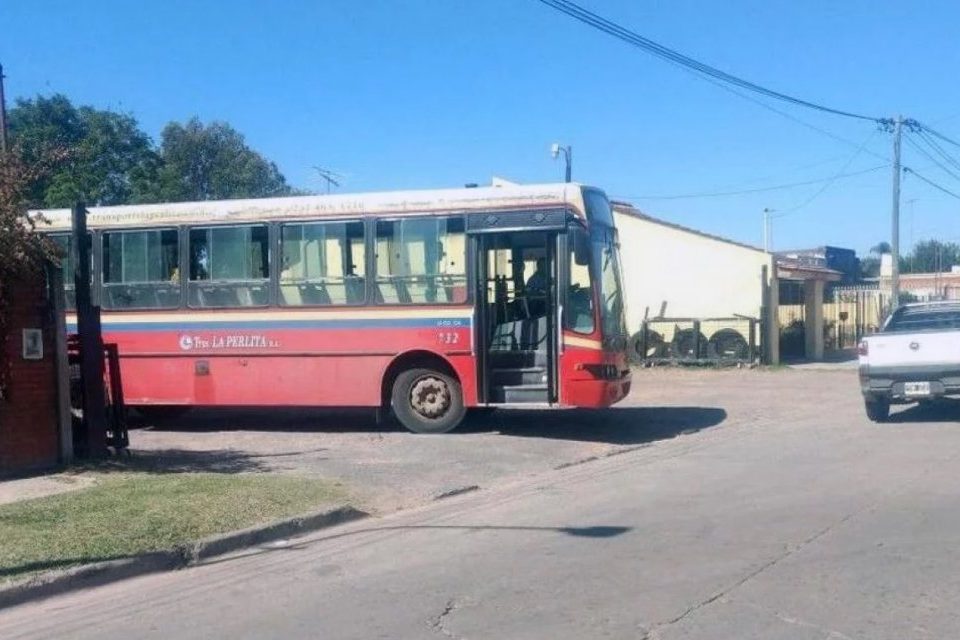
[430,397]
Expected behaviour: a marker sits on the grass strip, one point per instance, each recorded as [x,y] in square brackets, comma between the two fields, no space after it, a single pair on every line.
[130,513]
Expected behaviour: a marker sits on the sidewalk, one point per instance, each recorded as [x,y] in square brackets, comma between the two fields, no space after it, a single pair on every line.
[845,360]
[41,486]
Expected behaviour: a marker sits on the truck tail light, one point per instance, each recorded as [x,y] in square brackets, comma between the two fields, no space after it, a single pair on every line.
[863,348]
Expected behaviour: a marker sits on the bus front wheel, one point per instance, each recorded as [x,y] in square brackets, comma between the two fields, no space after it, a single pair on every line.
[427,401]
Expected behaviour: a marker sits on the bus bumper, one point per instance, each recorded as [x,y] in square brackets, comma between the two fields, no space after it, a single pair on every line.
[598,393]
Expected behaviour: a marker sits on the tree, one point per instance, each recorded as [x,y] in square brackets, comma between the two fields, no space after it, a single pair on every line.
[22,250]
[112,161]
[210,162]
[929,256]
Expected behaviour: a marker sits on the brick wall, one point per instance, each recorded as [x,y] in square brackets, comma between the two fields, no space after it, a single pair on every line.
[29,436]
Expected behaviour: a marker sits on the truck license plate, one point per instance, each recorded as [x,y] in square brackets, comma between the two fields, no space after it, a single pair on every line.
[916,388]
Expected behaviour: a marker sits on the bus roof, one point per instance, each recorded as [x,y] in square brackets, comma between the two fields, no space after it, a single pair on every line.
[336,206]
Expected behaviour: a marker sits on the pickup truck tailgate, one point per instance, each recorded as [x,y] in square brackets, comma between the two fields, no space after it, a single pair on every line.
[914,349]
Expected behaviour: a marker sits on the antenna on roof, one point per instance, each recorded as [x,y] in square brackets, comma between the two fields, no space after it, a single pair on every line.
[331,177]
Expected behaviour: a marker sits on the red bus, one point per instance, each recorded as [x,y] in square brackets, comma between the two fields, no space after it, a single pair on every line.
[424,302]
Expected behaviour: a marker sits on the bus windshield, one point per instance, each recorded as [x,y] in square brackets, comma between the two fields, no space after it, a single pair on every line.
[607,272]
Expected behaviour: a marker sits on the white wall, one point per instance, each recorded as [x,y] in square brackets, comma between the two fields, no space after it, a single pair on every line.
[697,276]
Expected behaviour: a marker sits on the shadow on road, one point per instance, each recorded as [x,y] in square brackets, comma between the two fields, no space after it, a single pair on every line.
[60,563]
[617,425]
[306,419]
[180,461]
[595,531]
[946,410]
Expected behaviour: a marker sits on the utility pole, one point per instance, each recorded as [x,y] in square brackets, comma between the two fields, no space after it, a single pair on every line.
[93,442]
[895,231]
[3,116]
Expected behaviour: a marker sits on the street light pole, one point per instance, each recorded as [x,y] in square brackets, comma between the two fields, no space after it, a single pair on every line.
[767,239]
[567,150]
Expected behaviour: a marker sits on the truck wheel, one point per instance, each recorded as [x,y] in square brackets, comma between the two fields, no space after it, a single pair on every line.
[427,401]
[877,410]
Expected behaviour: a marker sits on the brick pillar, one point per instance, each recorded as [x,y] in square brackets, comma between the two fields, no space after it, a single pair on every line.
[29,426]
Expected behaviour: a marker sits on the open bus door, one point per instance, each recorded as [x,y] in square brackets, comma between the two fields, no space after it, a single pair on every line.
[517,323]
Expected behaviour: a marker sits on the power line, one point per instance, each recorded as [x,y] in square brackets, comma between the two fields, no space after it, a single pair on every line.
[934,133]
[829,183]
[790,185]
[611,28]
[743,184]
[780,112]
[926,153]
[932,183]
[936,147]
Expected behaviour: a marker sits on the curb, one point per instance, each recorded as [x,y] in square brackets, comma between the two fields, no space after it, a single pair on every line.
[54,583]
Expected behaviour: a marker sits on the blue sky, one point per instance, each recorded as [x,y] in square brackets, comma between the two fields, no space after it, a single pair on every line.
[433,93]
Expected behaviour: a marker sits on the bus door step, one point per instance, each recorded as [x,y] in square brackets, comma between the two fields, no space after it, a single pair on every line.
[519,393]
[513,359]
[512,376]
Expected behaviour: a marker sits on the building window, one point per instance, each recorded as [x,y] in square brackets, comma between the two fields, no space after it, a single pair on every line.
[421,261]
[229,267]
[141,269]
[322,264]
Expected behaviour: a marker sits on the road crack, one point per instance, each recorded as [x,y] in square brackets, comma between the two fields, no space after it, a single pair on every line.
[832,634]
[436,623]
[654,630]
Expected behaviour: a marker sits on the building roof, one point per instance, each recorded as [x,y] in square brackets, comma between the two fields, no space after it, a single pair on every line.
[791,270]
[628,209]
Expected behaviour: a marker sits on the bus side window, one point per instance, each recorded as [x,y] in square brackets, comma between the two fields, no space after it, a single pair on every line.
[229,267]
[64,242]
[578,312]
[322,264]
[421,261]
[140,269]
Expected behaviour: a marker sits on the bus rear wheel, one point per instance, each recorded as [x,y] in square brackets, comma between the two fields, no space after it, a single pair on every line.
[427,401]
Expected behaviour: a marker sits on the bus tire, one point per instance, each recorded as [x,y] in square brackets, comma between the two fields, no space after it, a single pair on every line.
[427,401]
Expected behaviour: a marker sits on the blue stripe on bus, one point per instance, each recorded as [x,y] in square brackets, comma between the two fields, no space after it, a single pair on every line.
[352,323]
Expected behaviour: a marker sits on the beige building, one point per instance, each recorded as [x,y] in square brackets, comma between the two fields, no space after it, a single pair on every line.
[681,274]
[676,272]
[686,273]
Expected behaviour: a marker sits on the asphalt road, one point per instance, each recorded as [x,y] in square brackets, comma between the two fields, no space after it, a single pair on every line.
[791,518]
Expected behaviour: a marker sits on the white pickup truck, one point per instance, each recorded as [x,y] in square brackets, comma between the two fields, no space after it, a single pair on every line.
[915,357]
